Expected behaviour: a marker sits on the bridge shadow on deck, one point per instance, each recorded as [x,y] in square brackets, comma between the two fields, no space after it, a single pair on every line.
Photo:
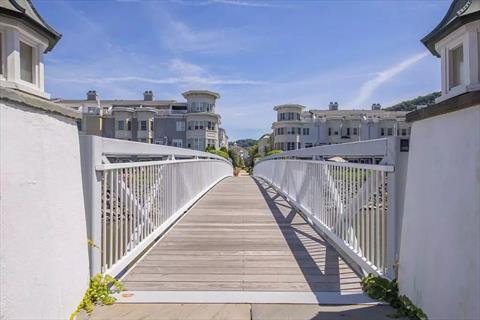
[292,226]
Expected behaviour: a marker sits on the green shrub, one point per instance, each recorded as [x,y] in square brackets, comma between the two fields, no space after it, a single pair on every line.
[98,293]
[384,290]
[218,152]
[272,152]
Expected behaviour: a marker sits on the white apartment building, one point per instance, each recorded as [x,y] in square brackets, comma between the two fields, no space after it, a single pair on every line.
[297,128]
[192,124]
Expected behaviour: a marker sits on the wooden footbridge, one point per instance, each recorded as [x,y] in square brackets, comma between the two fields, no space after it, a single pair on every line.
[242,236]
[178,228]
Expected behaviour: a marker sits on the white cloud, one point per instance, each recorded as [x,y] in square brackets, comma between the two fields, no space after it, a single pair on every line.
[369,87]
[183,68]
[208,80]
[242,3]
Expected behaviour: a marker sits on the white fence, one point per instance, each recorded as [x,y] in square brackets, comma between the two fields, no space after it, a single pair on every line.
[352,204]
[134,202]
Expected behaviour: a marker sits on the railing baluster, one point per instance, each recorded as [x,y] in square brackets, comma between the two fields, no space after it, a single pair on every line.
[103,245]
[122,188]
[110,221]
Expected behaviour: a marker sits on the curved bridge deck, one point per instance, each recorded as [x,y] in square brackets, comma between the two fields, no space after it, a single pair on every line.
[242,242]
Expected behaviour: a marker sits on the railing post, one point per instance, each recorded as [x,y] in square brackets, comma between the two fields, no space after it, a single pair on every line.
[91,155]
[391,232]
[393,212]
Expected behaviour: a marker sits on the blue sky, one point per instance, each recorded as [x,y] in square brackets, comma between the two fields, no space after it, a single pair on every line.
[255,53]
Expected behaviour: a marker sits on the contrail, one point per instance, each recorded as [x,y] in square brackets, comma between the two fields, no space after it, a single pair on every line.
[371,85]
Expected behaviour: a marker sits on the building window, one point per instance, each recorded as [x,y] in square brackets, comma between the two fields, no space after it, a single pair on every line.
[180,125]
[404,132]
[329,131]
[456,66]
[143,125]
[404,145]
[120,125]
[348,131]
[291,145]
[390,132]
[355,131]
[26,62]
[306,131]
[177,143]
[382,131]
[129,125]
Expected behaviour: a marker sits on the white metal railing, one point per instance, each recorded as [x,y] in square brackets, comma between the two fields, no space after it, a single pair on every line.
[130,204]
[348,202]
[140,199]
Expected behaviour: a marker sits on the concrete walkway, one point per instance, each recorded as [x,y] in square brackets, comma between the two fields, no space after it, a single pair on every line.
[239,312]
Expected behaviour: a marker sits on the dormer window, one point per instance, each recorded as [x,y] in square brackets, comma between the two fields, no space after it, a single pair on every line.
[456,66]
[24,38]
[26,62]
[456,41]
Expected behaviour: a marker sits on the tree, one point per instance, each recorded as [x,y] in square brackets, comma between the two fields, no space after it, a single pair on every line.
[220,152]
[410,105]
[235,158]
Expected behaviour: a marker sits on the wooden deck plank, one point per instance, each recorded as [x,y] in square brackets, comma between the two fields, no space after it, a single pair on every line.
[242,237]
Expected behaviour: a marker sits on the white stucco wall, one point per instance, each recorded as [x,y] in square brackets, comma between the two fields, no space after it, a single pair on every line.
[43,241]
[440,249]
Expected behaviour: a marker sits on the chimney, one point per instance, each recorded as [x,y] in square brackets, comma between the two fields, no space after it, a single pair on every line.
[332,106]
[376,106]
[92,95]
[148,96]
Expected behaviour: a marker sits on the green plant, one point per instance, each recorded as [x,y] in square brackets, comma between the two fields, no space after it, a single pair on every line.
[98,293]
[387,291]
[271,152]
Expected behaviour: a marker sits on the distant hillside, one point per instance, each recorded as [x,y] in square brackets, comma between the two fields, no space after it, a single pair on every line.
[245,143]
[410,105]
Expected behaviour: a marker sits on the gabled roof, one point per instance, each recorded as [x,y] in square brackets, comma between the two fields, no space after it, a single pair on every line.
[460,12]
[25,11]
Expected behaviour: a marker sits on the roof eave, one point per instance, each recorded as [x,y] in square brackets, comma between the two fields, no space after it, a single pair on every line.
[52,36]
[443,30]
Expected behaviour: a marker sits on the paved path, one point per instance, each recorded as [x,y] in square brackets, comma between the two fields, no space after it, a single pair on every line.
[241,236]
[239,312]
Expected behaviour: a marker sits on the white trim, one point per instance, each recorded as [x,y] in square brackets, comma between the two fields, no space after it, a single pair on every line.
[324,298]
